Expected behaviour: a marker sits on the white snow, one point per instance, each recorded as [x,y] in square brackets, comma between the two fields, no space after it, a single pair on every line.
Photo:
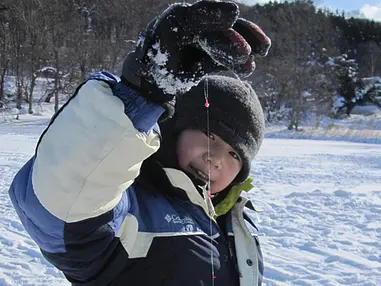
[20,260]
[364,128]
[320,225]
[367,110]
[164,78]
[43,69]
[368,84]
[339,102]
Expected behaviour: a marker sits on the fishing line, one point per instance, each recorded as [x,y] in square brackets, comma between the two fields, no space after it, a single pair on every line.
[208,188]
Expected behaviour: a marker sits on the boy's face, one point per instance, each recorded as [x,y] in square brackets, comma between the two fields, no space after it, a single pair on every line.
[192,153]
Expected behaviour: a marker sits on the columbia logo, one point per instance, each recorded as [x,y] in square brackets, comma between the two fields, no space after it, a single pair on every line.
[177,219]
[168,218]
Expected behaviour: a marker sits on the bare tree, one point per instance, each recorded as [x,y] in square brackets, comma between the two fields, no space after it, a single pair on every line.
[4,48]
[57,16]
[18,35]
[370,57]
[30,13]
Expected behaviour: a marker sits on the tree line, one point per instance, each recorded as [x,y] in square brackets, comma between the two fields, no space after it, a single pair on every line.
[316,54]
[317,57]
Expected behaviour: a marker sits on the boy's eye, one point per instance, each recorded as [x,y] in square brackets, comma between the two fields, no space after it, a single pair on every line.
[235,155]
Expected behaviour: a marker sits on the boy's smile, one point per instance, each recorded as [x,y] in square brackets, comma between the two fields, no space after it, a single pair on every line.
[224,162]
[200,174]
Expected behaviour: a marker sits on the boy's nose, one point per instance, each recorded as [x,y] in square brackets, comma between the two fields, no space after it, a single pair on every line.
[214,159]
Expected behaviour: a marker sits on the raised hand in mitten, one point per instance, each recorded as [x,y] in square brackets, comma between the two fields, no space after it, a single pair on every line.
[189,41]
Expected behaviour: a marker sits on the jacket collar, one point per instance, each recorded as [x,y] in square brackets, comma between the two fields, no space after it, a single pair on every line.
[181,181]
[233,196]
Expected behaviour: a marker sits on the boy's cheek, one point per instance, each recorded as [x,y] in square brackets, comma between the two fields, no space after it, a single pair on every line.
[181,161]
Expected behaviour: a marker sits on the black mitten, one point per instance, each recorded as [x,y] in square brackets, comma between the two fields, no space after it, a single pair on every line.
[188,41]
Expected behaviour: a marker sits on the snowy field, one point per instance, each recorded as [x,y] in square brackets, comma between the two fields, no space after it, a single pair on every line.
[320,225]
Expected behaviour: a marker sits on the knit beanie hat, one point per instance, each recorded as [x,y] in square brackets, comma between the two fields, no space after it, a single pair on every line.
[235,115]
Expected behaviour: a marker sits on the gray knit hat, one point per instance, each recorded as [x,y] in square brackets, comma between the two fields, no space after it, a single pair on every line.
[235,115]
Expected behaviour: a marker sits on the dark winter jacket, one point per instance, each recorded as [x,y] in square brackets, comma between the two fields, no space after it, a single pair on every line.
[103,218]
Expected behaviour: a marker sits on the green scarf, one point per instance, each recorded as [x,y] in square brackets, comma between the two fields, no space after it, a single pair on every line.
[228,202]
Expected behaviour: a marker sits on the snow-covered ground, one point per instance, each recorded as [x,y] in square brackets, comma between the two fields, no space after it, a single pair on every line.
[20,260]
[363,126]
[320,225]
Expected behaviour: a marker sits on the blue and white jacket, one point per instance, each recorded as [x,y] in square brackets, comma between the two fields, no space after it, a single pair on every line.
[81,199]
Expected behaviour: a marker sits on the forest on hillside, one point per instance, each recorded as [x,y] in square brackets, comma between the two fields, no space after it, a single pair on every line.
[320,61]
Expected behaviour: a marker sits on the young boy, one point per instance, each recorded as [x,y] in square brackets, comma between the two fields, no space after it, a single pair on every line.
[108,207]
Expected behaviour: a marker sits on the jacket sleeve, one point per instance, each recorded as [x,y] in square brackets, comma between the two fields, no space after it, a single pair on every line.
[92,152]
[70,196]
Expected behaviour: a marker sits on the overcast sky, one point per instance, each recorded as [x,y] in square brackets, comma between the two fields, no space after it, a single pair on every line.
[369,8]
